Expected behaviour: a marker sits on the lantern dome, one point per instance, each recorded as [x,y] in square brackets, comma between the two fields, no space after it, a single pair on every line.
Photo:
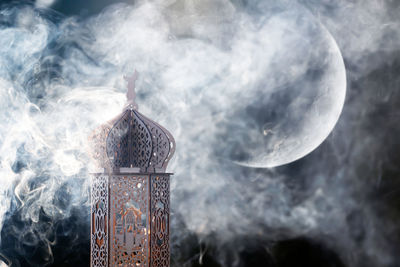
[132,142]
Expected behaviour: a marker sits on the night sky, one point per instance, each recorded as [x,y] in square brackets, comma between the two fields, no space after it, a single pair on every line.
[337,206]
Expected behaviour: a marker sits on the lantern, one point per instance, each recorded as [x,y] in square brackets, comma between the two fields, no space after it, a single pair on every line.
[130,197]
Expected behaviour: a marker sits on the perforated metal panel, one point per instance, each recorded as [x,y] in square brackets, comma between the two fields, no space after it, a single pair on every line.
[130,220]
[99,221]
[136,141]
[160,221]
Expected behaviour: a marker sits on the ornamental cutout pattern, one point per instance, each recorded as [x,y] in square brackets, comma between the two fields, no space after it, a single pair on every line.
[99,227]
[129,210]
[160,221]
[135,141]
[129,142]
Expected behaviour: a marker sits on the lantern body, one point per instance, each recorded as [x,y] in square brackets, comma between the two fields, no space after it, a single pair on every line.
[130,220]
[130,196]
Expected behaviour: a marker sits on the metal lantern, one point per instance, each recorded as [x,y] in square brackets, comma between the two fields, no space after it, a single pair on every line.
[130,198]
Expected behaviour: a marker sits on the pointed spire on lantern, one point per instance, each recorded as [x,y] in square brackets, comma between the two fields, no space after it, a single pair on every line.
[131,94]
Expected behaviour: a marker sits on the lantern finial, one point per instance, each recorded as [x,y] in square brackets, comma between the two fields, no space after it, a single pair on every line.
[131,95]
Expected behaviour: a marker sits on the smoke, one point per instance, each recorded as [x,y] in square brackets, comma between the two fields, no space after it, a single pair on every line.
[198,63]
[44,3]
